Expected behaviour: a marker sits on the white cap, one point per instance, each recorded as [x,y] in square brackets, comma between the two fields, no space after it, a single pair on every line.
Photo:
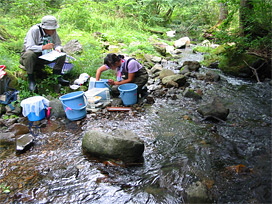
[49,23]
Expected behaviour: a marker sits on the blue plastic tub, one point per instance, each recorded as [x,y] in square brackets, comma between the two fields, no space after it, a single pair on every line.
[66,67]
[74,105]
[33,117]
[128,93]
[102,83]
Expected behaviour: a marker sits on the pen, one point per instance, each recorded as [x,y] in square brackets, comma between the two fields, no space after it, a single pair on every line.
[51,48]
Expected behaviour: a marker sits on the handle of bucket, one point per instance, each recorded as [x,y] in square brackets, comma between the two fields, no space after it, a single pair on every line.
[68,108]
[121,94]
[85,99]
[106,84]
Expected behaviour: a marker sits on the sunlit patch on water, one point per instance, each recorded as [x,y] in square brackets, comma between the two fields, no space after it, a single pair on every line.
[235,81]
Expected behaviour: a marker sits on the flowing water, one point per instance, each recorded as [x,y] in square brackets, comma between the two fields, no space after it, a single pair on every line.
[231,158]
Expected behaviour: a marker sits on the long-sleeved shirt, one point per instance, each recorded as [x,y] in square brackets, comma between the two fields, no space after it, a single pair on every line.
[34,39]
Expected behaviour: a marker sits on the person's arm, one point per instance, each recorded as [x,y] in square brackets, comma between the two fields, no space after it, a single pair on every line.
[99,71]
[130,78]
[57,42]
[33,40]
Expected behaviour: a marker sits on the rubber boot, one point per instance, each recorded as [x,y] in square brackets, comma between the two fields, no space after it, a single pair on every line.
[31,82]
[144,92]
[60,79]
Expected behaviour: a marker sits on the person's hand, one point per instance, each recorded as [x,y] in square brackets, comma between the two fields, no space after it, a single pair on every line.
[48,46]
[111,82]
[58,50]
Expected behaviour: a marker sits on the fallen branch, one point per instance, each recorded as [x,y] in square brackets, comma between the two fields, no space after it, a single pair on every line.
[264,56]
[255,70]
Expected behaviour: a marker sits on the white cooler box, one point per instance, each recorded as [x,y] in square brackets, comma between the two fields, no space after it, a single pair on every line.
[103,92]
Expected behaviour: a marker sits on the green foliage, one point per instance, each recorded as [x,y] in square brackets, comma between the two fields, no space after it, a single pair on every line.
[129,25]
[6,117]
[45,87]
[77,14]
[203,49]
[4,188]
[257,26]
[8,57]
[24,92]
[48,85]
[27,12]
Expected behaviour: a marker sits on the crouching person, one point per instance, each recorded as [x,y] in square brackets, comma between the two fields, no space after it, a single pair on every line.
[128,70]
[41,39]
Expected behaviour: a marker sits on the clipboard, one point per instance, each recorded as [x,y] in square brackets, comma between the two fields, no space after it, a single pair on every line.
[53,55]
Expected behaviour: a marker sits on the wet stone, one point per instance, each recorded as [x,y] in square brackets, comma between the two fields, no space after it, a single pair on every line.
[19,129]
[118,144]
[197,193]
[215,110]
[189,93]
[6,137]
[9,122]
[23,142]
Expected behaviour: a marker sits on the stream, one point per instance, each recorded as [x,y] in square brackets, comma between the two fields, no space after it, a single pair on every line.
[231,158]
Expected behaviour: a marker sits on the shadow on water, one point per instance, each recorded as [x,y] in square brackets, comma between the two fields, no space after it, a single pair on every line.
[231,159]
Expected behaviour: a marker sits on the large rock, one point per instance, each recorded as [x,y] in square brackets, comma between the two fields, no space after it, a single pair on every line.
[148,63]
[73,47]
[182,42]
[119,144]
[57,108]
[160,47]
[156,59]
[192,66]
[215,110]
[155,71]
[179,79]
[189,93]
[156,68]
[212,76]
[166,72]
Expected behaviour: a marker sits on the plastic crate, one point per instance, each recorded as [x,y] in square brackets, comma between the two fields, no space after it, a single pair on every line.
[66,67]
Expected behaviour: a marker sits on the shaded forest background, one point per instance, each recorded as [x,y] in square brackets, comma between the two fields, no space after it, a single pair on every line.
[132,23]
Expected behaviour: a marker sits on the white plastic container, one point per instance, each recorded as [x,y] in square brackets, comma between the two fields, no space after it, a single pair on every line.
[103,92]
[91,83]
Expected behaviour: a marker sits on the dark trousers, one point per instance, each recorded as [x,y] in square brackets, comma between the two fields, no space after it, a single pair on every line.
[31,61]
[141,78]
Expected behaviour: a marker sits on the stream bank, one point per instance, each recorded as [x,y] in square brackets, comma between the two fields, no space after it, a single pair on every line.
[186,158]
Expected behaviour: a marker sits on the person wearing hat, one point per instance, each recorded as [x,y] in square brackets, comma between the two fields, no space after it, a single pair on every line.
[40,39]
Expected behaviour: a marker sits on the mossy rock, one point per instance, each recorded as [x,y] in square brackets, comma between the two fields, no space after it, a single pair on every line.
[209,59]
[13,79]
[236,64]
[203,49]
[230,60]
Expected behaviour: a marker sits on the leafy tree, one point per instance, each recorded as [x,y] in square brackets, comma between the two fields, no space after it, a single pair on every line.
[28,12]
[77,14]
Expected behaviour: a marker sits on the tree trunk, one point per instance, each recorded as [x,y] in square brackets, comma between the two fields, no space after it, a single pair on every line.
[223,12]
[246,9]
[168,14]
[223,15]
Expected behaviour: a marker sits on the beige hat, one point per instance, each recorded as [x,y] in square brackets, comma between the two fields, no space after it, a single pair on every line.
[49,23]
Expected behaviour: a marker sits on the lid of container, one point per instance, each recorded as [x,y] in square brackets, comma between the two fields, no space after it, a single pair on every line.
[95,91]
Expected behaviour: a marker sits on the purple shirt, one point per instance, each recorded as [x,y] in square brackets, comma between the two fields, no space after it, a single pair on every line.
[133,66]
